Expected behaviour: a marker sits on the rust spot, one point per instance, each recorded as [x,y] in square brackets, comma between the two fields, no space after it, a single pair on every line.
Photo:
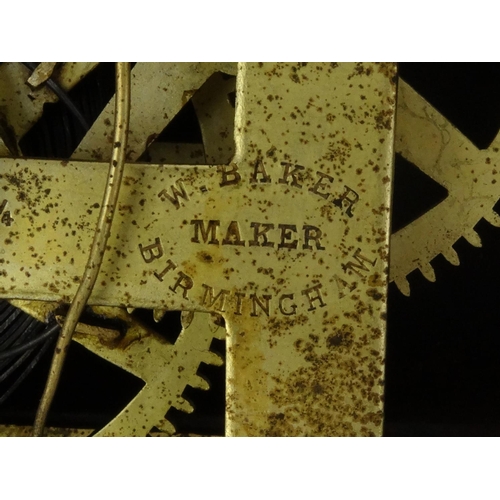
[205,257]
[374,294]
[343,337]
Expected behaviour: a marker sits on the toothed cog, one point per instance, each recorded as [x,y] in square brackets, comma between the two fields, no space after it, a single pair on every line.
[471,176]
[165,368]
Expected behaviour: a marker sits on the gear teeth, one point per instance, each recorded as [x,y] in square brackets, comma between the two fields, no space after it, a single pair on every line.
[211,358]
[184,405]
[427,270]
[166,426]
[493,219]
[473,238]
[198,382]
[451,256]
[403,285]
[219,332]
[158,314]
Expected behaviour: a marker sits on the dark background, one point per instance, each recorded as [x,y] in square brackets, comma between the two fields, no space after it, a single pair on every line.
[443,341]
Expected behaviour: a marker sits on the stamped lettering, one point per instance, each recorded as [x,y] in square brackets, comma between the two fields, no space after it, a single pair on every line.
[277,238]
[230,175]
[343,286]
[360,264]
[347,200]
[6,219]
[170,267]
[318,183]
[184,282]
[151,252]
[287,308]
[216,302]
[178,191]
[208,231]
[262,234]
[236,302]
[260,230]
[313,294]
[292,173]
[321,185]
[259,173]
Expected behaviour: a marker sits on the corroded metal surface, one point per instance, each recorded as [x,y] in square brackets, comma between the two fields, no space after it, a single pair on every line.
[428,140]
[319,153]
[177,154]
[165,368]
[146,126]
[289,243]
[159,91]
[215,111]
[41,73]
[69,74]
[27,431]
[21,106]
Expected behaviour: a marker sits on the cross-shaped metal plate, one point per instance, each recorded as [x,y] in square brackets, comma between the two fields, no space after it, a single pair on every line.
[288,242]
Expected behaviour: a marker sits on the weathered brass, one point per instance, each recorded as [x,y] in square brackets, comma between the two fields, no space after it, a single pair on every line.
[146,126]
[165,368]
[315,365]
[27,431]
[433,144]
[177,154]
[21,106]
[175,90]
[158,93]
[41,73]
[289,242]
[215,114]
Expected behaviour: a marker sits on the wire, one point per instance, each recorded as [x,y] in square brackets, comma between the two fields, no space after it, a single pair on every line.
[26,372]
[18,332]
[15,365]
[19,349]
[8,317]
[63,96]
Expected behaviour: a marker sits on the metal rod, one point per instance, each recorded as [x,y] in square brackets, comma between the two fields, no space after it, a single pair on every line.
[122,113]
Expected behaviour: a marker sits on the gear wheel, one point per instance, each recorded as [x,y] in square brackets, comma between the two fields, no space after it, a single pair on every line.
[165,368]
[428,140]
[169,368]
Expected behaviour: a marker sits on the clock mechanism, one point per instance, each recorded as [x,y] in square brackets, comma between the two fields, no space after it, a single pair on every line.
[440,359]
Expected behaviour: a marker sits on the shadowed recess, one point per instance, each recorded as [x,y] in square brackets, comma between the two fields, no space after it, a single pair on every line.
[465,93]
[414,193]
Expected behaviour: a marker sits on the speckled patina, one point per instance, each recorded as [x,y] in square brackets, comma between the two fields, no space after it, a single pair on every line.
[288,242]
